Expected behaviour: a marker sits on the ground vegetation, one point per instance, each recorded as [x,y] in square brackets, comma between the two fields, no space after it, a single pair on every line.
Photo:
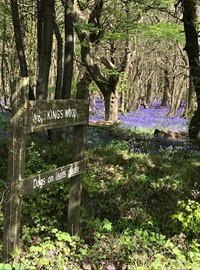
[140,202]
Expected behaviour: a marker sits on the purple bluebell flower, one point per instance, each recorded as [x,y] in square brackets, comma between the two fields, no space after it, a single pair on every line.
[151,118]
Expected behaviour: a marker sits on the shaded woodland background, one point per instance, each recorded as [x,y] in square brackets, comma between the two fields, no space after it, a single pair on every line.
[127,51]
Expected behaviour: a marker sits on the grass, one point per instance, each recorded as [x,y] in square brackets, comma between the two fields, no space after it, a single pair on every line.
[140,206]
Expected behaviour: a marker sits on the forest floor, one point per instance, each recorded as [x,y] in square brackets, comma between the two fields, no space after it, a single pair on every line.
[146,119]
[138,128]
[140,201]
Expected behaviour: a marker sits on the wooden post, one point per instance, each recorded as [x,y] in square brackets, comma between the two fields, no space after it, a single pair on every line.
[13,199]
[76,182]
[30,116]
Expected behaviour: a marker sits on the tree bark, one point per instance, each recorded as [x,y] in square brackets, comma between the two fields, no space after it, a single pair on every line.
[191,100]
[69,50]
[59,61]
[111,106]
[192,49]
[18,39]
[19,43]
[39,26]
[3,60]
[46,48]
[166,89]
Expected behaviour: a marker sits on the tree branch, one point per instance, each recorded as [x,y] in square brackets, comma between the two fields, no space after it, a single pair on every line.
[107,63]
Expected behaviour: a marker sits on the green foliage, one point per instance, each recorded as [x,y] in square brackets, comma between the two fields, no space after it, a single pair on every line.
[164,30]
[5,266]
[137,249]
[189,217]
[4,124]
[133,213]
[40,157]
[35,160]
[4,14]
[45,203]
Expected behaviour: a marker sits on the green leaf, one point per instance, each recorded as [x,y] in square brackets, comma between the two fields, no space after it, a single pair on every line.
[5,266]
[107,225]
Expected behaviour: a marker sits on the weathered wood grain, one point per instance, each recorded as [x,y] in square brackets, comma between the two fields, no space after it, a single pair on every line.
[53,114]
[17,147]
[42,180]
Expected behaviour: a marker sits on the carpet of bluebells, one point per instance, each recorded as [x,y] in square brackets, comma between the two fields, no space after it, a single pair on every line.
[142,124]
[151,118]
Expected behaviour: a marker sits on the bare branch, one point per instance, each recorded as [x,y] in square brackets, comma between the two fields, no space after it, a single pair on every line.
[107,63]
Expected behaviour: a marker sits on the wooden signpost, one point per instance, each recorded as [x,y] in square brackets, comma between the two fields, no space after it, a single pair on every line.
[32,116]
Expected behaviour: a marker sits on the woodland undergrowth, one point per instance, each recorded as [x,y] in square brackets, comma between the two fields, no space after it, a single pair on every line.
[140,205]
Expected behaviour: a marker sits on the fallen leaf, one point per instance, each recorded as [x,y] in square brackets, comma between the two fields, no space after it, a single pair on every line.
[110,267]
[87,266]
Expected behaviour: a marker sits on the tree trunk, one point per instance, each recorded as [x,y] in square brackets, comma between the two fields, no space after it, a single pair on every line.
[46,48]
[39,26]
[69,50]
[122,102]
[149,92]
[3,60]
[192,49]
[19,43]
[111,106]
[59,61]
[166,90]
[18,39]
[191,100]
[194,127]
[106,84]
[173,98]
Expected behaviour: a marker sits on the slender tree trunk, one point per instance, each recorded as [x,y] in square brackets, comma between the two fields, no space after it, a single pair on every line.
[149,92]
[59,61]
[172,110]
[3,59]
[19,43]
[191,100]
[179,95]
[69,50]
[122,102]
[18,39]
[46,48]
[166,90]
[39,27]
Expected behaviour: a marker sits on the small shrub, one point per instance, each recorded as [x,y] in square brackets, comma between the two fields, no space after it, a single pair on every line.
[189,217]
